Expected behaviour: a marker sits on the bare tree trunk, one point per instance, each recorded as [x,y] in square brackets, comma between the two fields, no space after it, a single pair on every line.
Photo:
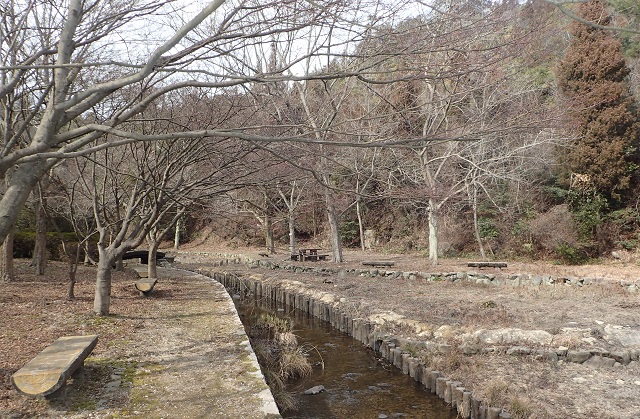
[88,260]
[176,236]
[102,298]
[73,259]
[268,234]
[334,229]
[120,265]
[475,223]
[292,233]
[71,293]
[152,267]
[39,260]
[433,232]
[7,272]
[360,226]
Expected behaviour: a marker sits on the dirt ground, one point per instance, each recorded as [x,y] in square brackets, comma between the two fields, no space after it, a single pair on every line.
[138,368]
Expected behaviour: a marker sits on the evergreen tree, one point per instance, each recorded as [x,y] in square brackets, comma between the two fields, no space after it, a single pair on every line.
[593,76]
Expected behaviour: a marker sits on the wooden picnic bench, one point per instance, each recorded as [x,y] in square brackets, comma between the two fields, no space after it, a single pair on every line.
[51,368]
[379,263]
[309,254]
[498,265]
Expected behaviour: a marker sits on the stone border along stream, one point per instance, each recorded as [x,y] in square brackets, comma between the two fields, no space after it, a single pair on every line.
[390,347]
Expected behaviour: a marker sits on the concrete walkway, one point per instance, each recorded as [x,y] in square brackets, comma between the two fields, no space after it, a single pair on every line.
[191,358]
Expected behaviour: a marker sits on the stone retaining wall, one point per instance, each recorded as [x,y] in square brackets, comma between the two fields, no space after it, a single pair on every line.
[498,279]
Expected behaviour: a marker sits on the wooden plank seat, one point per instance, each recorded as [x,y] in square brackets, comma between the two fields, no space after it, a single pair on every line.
[498,265]
[145,286]
[51,368]
[316,257]
[379,263]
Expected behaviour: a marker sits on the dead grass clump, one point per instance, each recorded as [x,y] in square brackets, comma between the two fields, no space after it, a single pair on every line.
[279,355]
[519,408]
[496,393]
[294,363]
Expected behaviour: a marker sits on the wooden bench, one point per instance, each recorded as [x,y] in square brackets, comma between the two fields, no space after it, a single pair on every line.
[51,368]
[379,263]
[145,286]
[498,265]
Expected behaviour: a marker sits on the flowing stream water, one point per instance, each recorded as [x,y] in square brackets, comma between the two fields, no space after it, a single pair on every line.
[357,383]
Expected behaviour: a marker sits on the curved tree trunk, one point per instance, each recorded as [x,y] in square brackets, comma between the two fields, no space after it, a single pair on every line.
[88,260]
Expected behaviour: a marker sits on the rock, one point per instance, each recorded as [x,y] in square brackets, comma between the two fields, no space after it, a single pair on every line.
[622,357]
[625,336]
[519,350]
[314,390]
[578,356]
[597,361]
[546,355]
[511,336]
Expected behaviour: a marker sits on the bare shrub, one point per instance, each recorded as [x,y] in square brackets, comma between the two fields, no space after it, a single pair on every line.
[553,229]
[457,236]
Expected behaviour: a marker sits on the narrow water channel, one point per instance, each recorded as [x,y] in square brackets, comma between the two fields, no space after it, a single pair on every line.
[357,384]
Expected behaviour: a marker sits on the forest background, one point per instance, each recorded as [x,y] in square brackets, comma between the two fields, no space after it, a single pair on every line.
[505,129]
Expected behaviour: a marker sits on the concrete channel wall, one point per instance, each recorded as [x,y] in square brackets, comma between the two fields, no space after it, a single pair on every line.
[364,331]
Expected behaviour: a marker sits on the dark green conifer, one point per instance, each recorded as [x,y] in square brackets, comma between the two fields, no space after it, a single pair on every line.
[593,77]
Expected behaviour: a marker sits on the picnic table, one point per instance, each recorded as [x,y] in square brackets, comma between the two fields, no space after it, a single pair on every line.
[310,253]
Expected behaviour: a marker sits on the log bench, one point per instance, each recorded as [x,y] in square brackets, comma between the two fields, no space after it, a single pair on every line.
[498,265]
[141,271]
[51,368]
[379,263]
[145,286]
